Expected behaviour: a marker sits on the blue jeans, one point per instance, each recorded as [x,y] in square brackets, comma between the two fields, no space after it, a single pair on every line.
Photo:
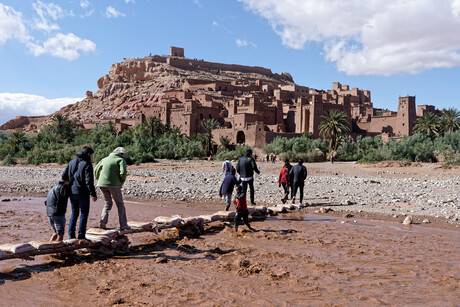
[80,204]
[57,224]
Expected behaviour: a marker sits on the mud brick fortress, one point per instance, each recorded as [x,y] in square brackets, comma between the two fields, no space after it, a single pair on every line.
[252,104]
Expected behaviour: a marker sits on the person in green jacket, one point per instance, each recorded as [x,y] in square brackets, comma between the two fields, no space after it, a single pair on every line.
[111,174]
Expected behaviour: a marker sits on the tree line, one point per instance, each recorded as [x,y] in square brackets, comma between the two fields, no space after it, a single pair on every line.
[437,138]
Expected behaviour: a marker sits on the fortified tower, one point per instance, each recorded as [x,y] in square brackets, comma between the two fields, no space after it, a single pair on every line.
[406,117]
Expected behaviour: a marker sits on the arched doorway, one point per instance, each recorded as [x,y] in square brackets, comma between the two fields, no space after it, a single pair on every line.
[240,137]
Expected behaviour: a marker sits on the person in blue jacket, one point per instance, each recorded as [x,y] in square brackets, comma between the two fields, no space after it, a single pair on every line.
[226,189]
[79,172]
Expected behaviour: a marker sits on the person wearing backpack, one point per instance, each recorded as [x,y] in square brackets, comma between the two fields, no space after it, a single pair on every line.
[226,167]
[79,173]
[56,207]
[226,188]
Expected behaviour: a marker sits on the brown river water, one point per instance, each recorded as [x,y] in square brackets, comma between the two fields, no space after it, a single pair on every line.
[295,259]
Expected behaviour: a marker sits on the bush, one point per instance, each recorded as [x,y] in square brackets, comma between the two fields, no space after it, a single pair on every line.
[9,160]
[225,154]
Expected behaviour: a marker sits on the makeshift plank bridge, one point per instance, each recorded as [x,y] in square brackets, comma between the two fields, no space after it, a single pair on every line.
[111,241]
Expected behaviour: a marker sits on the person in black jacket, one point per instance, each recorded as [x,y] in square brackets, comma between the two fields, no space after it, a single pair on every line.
[246,166]
[226,189]
[79,172]
[56,207]
[298,174]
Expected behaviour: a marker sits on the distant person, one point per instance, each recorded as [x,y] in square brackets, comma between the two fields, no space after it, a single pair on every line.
[283,180]
[298,173]
[111,174]
[246,166]
[79,173]
[268,158]
[332,157]
[56,207]
[226,167]
[227,186]
[241,208]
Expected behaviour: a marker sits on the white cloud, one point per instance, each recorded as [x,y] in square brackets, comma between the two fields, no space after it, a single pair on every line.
[456,9]
[11,25]
[66,46]
[197,2]
[111,12]
[241,42]
[84,3]
[379,37]
[244,43]
[47,12]
[26,104]
[215,23]
[130,1]
[88,13]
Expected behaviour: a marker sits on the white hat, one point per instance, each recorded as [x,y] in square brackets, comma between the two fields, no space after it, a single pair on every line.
[120,151]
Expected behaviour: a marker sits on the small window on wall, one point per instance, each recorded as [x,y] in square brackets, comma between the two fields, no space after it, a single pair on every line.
[186,123]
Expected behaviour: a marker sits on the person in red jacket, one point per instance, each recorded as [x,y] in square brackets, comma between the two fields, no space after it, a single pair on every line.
[284,181]
[241,208]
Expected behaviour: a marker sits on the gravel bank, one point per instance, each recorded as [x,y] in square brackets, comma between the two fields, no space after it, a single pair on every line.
[435,196]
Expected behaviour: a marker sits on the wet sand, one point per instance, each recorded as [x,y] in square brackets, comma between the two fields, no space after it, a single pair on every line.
[295,259]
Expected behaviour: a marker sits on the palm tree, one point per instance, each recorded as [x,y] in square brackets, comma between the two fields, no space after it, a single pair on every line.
[16,140]
[450,120]
[334,125]
[111,128]
[208,126]
[427,124]
[62,127]
[155,126]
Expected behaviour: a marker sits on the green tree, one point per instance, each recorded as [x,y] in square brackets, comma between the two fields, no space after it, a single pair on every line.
[17,140]
[63,128]
[156,127]
[334,125]
[226,142]
[208,126]
[428,124]
[450,120]
[110,128]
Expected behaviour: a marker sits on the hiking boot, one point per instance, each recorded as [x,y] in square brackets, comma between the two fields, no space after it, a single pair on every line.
[283,200]
[293,200]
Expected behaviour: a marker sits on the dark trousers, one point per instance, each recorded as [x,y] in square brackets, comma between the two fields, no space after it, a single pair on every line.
[242,214]
[245,185]
[80,204]
[286,190]
[295,186]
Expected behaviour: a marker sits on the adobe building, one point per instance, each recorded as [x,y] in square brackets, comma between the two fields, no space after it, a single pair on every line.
[252,104]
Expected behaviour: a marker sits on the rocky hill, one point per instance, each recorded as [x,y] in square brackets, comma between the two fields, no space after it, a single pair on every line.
[134,84]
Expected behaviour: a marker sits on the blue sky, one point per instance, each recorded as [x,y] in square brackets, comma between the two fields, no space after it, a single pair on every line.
[51,53]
